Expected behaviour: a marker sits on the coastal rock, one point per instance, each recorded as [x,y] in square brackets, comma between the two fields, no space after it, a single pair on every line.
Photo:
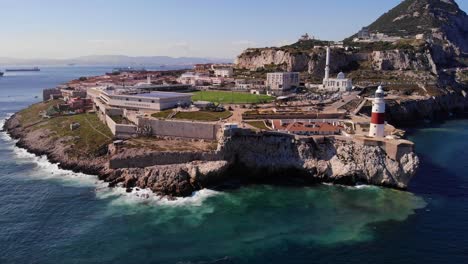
[322,160]
[410,112]
[246,156]
[173,180]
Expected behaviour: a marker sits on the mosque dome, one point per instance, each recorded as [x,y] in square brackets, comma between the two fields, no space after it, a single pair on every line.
[341,75]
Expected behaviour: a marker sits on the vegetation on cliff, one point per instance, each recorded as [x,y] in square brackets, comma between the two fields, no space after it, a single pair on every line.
[413,17]
[87,139]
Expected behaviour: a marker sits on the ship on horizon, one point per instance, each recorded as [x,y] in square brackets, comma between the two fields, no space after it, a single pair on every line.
[1,74]
[35,69]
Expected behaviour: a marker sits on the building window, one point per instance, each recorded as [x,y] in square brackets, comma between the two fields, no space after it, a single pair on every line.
[139,100]
[152,101]
[126,99]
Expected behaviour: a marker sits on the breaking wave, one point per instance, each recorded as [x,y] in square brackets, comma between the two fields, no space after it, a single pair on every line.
[50,171]
[145,196]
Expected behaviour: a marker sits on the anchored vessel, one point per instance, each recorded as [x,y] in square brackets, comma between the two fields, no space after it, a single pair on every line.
[22,69]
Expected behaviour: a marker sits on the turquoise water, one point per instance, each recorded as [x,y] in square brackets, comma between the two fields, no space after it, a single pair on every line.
[48,215]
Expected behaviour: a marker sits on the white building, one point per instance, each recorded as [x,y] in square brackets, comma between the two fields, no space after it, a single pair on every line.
[364,35]
[147,101]
[224,72]
[282,81]
[340,83]
[196,78]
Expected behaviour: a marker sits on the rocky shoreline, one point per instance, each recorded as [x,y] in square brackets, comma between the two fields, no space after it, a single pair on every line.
[245,158]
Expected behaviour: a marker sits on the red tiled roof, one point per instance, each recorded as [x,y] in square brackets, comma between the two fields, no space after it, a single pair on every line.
[307,127]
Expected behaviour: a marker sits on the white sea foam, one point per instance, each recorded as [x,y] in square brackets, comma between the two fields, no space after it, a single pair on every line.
[146,196]
[364,186]
[2,121]
[45,170]
[9,142]
[50,171]
[355,187]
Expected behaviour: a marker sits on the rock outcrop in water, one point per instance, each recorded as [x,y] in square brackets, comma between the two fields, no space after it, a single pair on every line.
[246,157]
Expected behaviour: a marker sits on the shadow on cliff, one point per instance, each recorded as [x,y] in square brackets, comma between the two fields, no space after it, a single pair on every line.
[239,175]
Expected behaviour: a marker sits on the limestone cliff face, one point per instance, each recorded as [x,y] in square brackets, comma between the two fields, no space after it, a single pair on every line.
[408,112]
[402,60]
[314,62]
[256,59]
[323,160]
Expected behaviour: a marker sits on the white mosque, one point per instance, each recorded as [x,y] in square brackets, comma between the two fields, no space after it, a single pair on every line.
[340,83]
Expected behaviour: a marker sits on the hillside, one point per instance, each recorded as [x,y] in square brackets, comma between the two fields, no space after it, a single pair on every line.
[424,65]
[439,18]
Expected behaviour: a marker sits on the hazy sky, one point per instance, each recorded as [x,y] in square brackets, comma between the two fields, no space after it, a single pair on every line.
[202,28]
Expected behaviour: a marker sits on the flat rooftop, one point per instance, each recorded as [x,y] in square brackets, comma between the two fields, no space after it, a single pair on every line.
[148,95]
[162,95]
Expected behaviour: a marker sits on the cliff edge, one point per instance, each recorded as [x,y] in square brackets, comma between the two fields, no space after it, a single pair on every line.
[244,157]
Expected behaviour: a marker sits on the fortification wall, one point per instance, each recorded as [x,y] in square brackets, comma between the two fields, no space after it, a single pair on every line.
[160,158]
[394,148]
[119,130]
[184,129]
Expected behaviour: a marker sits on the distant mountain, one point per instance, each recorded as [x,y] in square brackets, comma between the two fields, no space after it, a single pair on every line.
[114,60]
[440,18]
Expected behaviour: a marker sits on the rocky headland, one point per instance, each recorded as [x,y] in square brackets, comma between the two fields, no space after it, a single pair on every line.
[242,158]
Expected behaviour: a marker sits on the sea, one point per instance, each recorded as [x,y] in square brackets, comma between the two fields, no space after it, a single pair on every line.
[49,215]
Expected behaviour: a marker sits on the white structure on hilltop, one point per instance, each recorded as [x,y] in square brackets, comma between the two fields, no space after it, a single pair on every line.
[224,72]
[377,124]
[366,36]
[282,81]
[340,83]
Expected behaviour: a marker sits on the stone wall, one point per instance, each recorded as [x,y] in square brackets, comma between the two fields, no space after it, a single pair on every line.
[119,130]
[184,129]
[142,160]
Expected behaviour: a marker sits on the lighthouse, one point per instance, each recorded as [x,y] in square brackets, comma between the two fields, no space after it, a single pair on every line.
[377,126]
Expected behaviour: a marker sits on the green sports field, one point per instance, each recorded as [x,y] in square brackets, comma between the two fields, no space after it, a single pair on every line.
[230,97]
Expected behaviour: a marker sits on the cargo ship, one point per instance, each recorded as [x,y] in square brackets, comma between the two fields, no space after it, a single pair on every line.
[35,69]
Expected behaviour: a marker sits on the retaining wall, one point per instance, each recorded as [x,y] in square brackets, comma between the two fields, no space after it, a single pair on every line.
[120,130]
[184,129]
[161,158]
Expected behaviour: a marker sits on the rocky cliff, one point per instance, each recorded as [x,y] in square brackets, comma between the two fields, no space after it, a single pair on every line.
[409,112]
[442,44]
[245,157]
[313,61]
[320,159]
[442,20]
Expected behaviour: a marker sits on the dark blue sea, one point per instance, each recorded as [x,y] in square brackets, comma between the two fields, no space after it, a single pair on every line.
[48,215]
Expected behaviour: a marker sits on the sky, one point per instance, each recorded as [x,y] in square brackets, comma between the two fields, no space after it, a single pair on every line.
[180,28]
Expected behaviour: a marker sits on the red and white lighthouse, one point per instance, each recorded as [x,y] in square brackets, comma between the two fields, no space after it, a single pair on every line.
[377,126]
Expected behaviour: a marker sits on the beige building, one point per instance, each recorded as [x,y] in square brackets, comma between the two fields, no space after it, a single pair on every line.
[282,81]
